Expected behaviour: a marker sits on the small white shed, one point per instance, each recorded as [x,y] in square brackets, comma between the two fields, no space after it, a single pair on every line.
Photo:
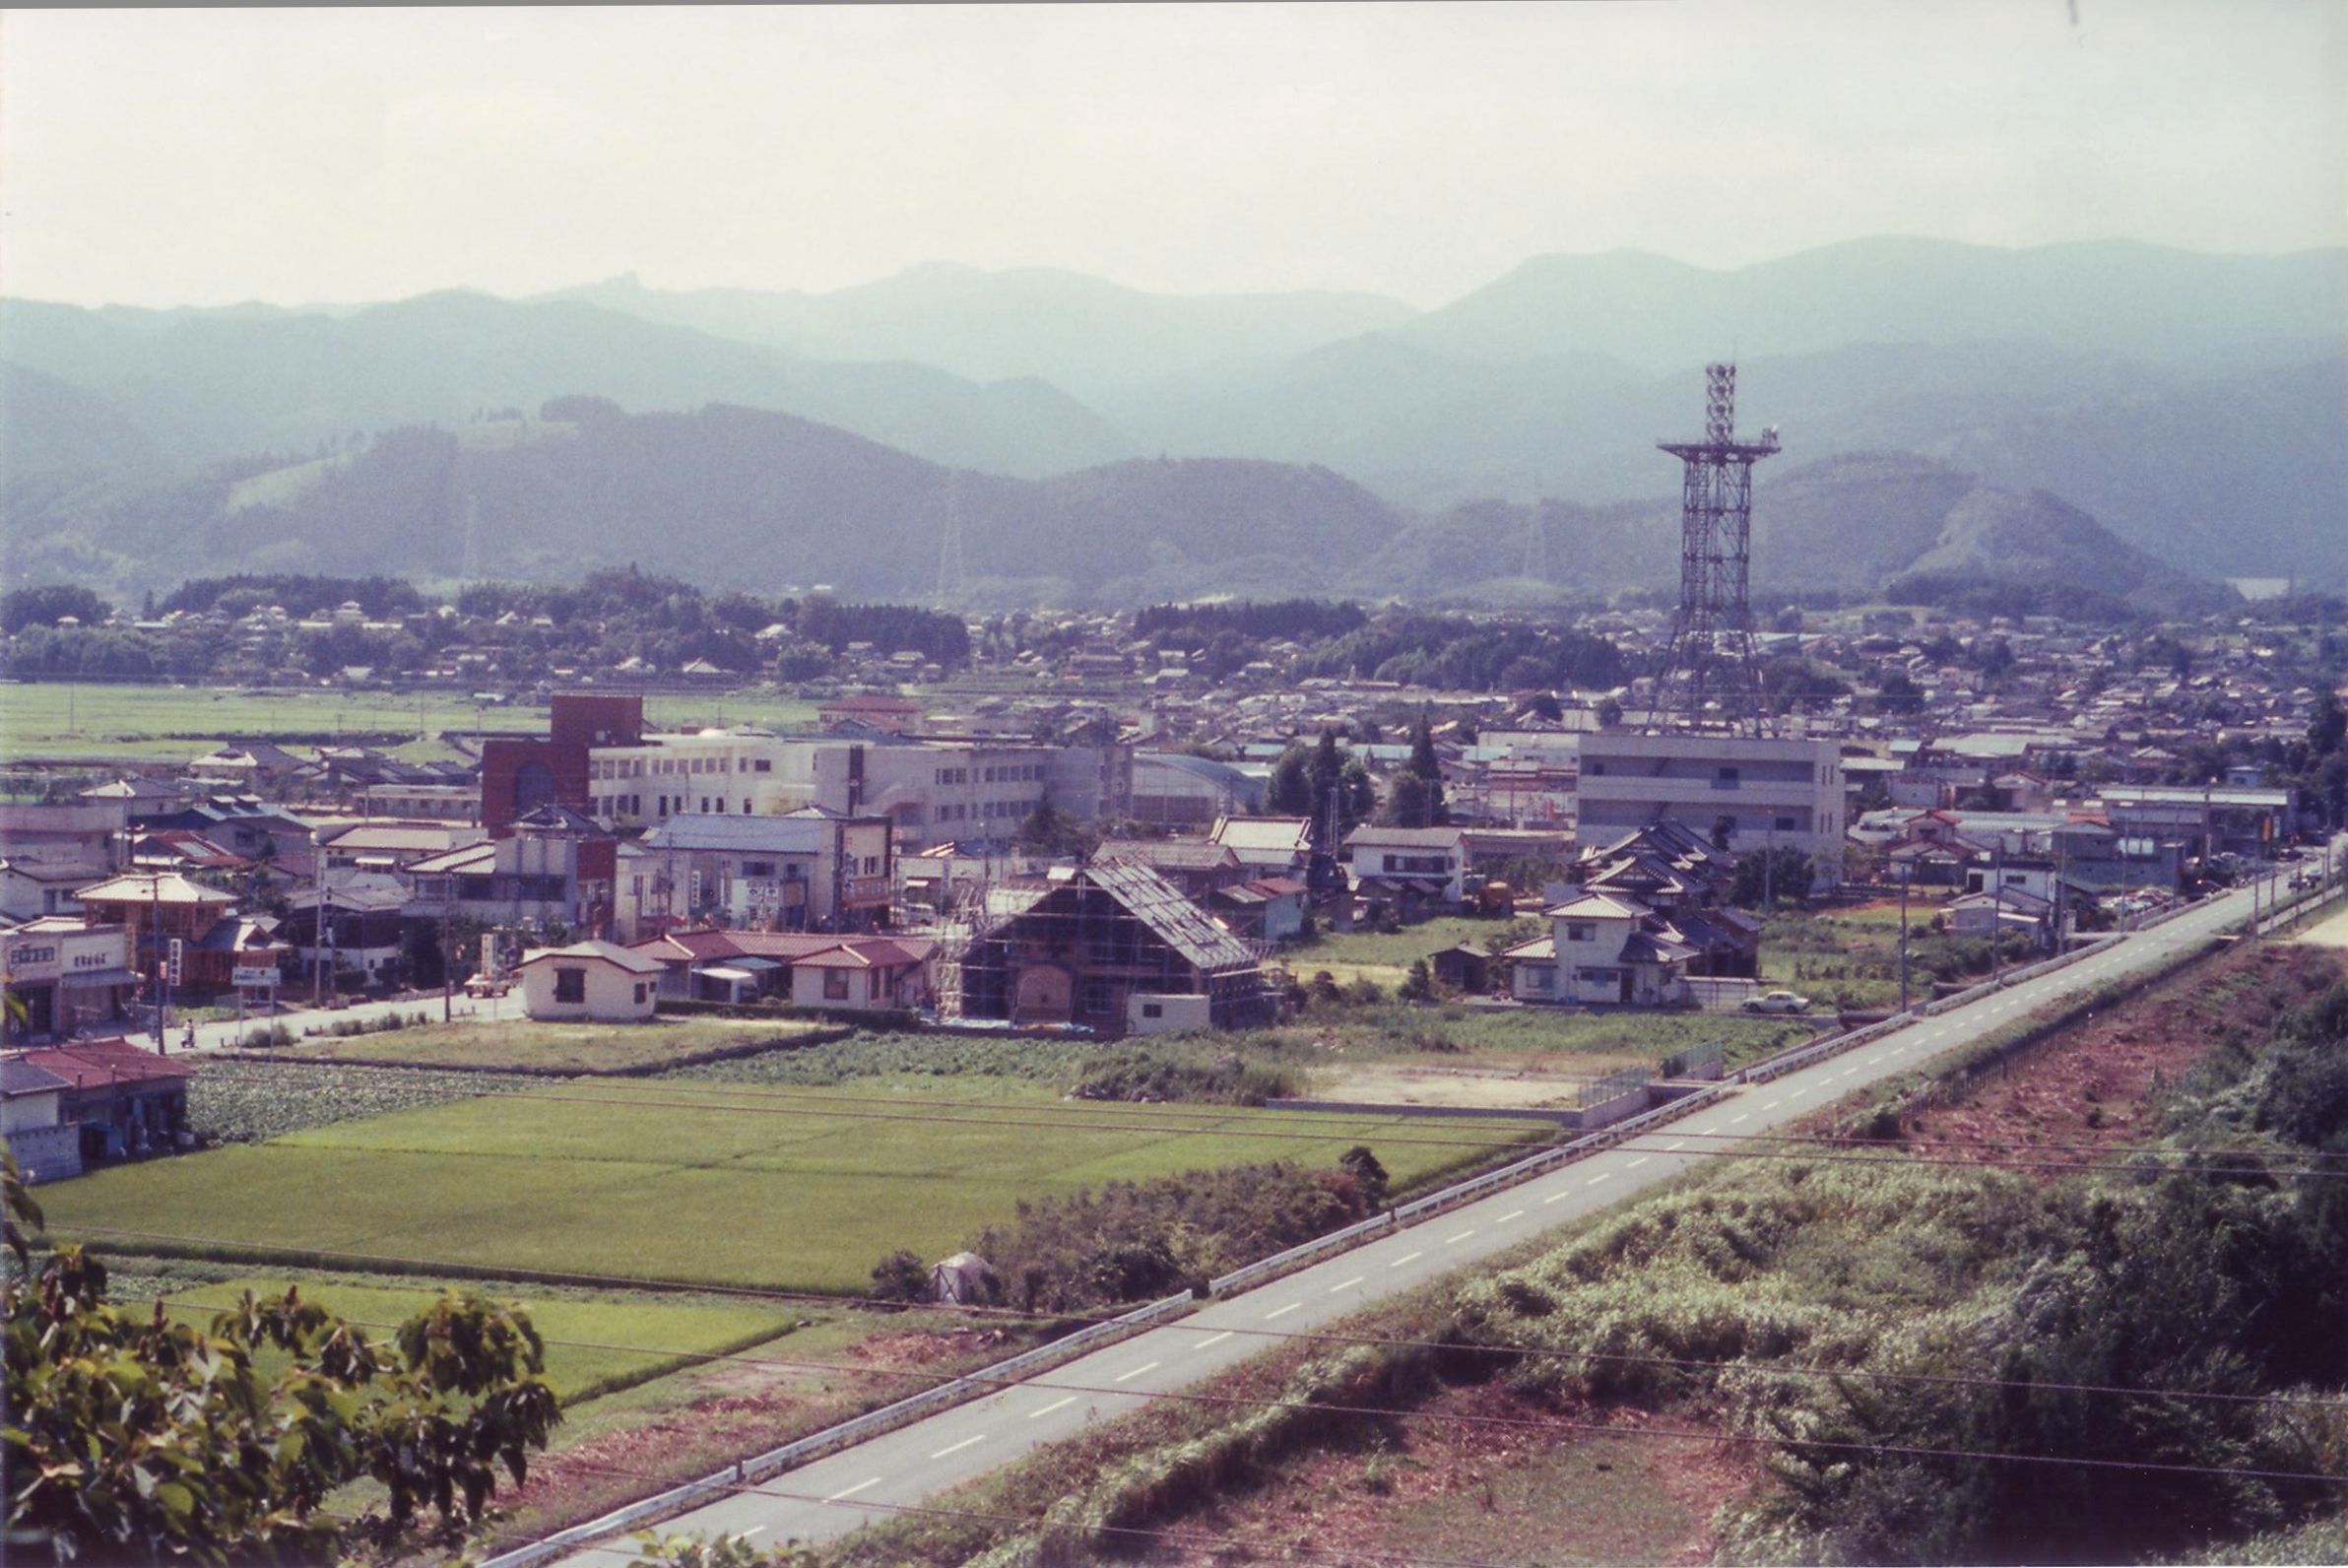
[590,981]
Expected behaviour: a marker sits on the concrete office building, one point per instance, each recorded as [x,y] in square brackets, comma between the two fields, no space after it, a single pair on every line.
[1760,792]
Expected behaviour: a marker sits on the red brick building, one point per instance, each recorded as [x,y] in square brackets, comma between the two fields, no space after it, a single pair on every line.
[519,776]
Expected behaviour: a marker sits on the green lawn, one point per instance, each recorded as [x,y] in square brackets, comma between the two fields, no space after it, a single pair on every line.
[615,1342]
[570,1046]
[41,718]
[702,1182]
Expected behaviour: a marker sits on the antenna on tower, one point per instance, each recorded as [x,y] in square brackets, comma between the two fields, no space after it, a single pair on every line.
[1711,679]
[950,570]
[471,537]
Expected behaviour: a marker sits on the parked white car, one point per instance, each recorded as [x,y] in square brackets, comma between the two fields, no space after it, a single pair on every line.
[1777,1001]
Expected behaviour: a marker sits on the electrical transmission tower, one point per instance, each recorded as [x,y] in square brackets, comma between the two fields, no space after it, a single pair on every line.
[950,570]
[1536,542]
[1711,679]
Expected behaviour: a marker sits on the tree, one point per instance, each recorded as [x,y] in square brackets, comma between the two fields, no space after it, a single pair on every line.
[1418,983]
[1781,875]
[132,1435]
[2328,727]
[1363,1166]
[1421,805]
[901,1277]
[1049,830]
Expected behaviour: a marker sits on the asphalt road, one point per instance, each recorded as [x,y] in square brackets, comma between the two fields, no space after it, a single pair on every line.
[834,1495]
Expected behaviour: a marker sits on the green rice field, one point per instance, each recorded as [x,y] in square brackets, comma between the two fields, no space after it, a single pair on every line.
[697,1182]
[585,1354]
[73,719]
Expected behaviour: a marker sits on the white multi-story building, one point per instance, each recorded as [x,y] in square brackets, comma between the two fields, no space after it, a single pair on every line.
[1758,793]
[970,792]
[705,773]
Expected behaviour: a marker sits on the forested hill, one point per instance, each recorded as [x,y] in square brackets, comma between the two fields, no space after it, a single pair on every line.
[731,497]
[726,498]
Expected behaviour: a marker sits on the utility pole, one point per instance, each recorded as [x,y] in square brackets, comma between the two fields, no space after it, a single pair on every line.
[1996,911]
[1905,873]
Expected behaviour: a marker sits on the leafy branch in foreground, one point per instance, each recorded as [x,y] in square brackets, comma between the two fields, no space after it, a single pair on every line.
[137,1436]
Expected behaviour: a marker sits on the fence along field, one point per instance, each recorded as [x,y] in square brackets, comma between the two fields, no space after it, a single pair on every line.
[799,1190]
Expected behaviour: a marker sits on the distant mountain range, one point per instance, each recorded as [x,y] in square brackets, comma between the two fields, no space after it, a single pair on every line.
[2196,405]
[745,498]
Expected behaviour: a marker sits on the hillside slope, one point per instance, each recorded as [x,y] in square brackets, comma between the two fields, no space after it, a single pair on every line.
[208,385]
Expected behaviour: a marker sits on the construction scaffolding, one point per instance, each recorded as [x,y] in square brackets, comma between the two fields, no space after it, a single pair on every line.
[1115,933]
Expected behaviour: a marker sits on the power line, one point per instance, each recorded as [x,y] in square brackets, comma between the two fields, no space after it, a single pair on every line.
[818,1099]
[1522,1144]
[1193,1538]
[1670,1434]
[1379,1342]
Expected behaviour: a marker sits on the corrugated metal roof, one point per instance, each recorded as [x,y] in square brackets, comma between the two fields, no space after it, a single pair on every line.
[1173,919]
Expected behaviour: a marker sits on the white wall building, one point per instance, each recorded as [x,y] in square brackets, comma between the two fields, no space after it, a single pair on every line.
[1786,793]
[589,981]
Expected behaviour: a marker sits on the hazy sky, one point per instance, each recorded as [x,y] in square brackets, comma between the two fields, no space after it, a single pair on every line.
[208,157]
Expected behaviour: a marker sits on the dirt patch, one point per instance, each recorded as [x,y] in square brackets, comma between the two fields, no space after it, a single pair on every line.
[1444,1490]
[633,1444]
[2100,1082]
[1380,1085]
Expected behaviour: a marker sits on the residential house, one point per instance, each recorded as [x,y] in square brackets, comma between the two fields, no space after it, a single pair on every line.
[122,1103]
[157,908]
[1413,872]
[1266,846]
[46,1147]
[1272,909]
[354,927]
[588,982]
[1112,938]
[1600,950]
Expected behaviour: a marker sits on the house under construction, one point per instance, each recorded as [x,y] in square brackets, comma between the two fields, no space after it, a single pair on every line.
[1118,950]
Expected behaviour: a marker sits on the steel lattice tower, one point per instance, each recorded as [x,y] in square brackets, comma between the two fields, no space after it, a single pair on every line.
[1711,679]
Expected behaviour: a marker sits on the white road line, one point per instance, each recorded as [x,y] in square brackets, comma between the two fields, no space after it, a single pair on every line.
[1601,1176]
[853,1491]
[1213,1339]
[1348,1285]
[1514,1214]
[956,1448]
[1450,1241]
[1674,1148]
[1877,1056]
[1126,1377]
[1773,1105]
[1281,1312]
[1846,1071]
[1636,1163]
[1056,1405]
[1746,1117]
[1556,1198]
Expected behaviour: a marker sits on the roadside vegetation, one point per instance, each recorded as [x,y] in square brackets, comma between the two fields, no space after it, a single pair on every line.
[1937,1313]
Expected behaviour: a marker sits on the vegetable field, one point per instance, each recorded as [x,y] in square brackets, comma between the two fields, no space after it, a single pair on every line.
[801,1189]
